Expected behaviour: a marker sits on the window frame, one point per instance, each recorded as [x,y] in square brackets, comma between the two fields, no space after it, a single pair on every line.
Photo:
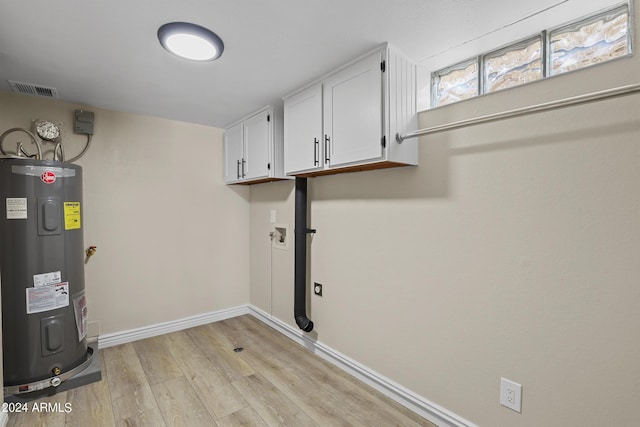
[545,56]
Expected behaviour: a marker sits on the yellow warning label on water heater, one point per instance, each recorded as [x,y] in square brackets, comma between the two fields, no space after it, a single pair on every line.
[71,215]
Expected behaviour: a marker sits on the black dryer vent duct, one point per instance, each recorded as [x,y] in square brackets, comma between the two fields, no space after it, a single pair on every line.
[300,281]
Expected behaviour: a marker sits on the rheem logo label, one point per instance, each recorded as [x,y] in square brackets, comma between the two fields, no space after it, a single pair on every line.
[48,177]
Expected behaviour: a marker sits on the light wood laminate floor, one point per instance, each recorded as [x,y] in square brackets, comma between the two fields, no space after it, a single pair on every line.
[194,378]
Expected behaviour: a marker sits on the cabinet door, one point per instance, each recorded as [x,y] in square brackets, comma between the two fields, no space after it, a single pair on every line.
[303,131]
[257,132]
[353,100]
[233,148]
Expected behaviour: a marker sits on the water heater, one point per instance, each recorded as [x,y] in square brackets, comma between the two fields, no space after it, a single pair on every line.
[44,315]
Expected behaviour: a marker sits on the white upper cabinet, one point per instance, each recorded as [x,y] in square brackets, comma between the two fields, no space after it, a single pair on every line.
[233,152]
[253,148]
[353,113]
[257,140]
[347,120]
[303,130]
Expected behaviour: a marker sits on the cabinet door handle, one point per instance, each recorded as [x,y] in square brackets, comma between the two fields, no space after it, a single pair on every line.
[326,148]
[243,162]
[316,151]
[238,169]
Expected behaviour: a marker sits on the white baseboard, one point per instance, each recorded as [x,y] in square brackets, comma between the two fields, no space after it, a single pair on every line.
[421,406]
[4,419]
[109,340]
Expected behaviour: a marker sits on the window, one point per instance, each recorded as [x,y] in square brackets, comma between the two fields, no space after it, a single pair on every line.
[455,83]
[597,38]
[514,65]
[590,41]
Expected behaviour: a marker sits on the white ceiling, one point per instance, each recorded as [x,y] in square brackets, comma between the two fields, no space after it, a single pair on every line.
[106,54]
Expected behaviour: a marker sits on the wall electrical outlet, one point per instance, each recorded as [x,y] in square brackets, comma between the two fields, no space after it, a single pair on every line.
[511,394]
[317,289]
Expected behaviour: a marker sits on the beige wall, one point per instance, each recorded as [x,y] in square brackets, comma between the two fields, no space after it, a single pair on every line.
[512,250]
[172,239]
[272,268]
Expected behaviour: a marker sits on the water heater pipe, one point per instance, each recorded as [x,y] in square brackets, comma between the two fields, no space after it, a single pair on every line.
[32,136]
[300,268]
[58,148]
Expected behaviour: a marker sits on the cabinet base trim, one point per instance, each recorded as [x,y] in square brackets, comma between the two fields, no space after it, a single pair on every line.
[349,169]
[258,181]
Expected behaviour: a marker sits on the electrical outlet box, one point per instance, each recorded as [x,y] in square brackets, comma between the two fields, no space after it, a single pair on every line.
[511,394]
[317,289]
[83,122]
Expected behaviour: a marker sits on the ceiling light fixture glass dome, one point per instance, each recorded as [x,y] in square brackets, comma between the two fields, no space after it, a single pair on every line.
[190,41]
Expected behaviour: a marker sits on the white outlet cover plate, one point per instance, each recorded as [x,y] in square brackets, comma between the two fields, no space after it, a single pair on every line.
[511,394]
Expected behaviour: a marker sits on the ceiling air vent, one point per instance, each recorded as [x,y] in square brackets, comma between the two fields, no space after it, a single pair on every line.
[31,89]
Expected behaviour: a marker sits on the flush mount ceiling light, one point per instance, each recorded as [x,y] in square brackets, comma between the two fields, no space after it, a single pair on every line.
[190,41]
